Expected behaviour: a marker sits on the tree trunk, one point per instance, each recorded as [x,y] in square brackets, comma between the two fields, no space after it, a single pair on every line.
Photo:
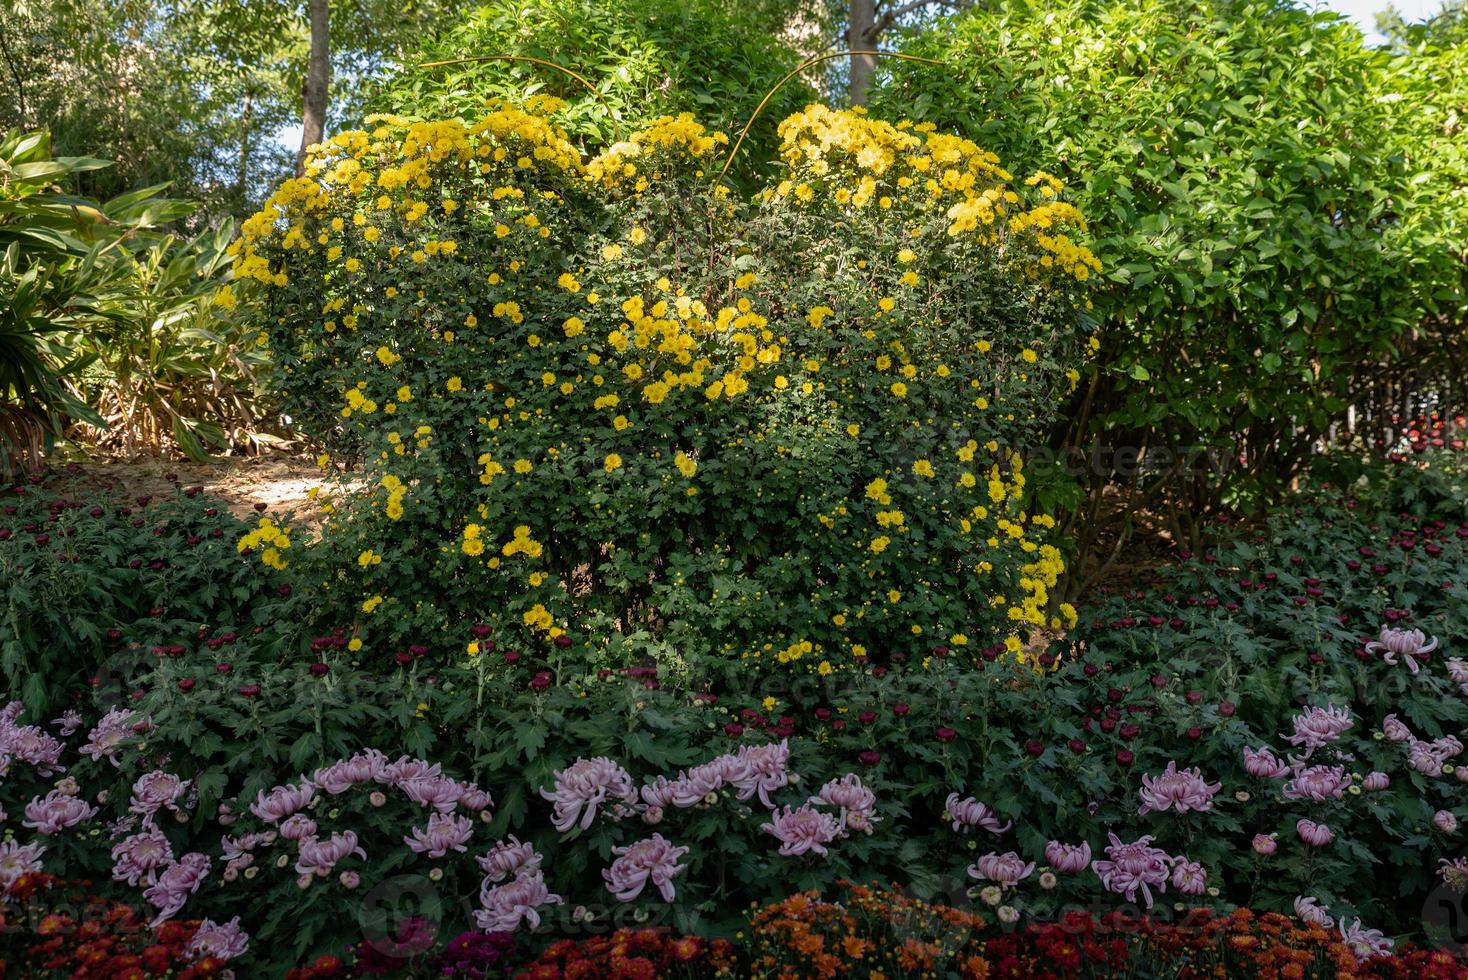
[860,36]
[318,80]
[245,123]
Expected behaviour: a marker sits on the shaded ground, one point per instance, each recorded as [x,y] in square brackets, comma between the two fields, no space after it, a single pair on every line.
[280,480]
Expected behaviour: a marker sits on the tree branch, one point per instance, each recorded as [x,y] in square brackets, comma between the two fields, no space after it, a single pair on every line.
[890,17]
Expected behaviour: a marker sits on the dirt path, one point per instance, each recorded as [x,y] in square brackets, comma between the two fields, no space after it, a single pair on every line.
[280,480]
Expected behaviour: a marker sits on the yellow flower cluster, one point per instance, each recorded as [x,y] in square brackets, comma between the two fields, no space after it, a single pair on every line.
[631,161]
[461,290]
[276,539]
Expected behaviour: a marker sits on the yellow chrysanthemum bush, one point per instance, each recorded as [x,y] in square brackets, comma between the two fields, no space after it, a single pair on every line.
[610,407]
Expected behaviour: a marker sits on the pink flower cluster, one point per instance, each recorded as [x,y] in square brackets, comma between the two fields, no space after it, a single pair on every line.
[221,941]
[172,887]
[519,900]
[584,786]
[1316,728]
[56,811]
[1139,866]
[17,859]
[969,813]
[753,770]
[106,740]
[652,860]
[27,743]
[1364,943]
[1184,791]
[802,830]
[1005,870]
[1409,644]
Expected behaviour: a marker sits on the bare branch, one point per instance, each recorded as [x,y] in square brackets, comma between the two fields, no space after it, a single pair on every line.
[890,17]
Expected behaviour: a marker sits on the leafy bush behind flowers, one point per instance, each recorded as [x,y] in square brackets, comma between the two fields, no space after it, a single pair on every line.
[606,403]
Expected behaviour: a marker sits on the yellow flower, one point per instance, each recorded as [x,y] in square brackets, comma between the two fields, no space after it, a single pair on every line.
[538,618]
[454,384]
[686,465]
[612,462]
[899,389]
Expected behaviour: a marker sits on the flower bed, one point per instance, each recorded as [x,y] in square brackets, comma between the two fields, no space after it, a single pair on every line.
[555,674]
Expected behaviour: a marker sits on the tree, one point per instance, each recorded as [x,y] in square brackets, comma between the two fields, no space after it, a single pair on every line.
[868,21]
[318,79]
[1448,27]
[1266,194]
[645,58]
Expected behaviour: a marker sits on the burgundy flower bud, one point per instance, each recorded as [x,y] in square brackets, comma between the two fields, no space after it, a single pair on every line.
[186,685]
[869,757]
[1035,747]
[867,717]
[1195,733]
[1076,745]
[224,668]
[1125,757]
[260,508]
[1159,681]
[541,680]
[1227,709]
[900,710]
[733,729]
[403,658]
[563,641]
[250,691]
[945,734]
[1194,697]
[318,669]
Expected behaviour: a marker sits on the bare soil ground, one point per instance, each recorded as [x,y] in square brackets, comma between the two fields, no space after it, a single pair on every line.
[280,480]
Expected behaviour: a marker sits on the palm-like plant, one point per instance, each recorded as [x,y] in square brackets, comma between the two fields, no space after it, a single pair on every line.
[108,329]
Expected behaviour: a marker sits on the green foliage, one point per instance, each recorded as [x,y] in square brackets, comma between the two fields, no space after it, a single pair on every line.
[93,587]
[810,402]
[110,323]
[646,58]
[1218,656]
[1266,198]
